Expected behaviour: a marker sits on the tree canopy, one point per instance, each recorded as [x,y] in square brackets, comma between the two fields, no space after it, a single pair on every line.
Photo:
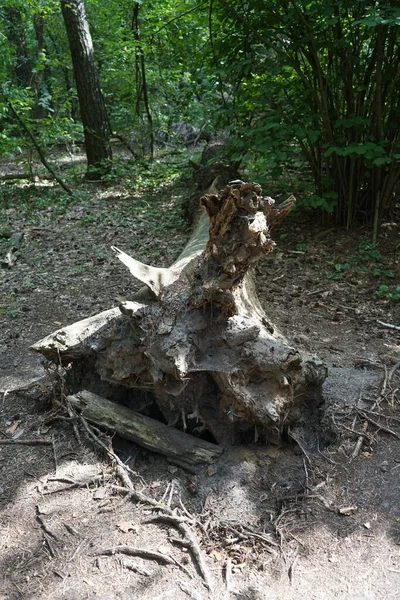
[307,92]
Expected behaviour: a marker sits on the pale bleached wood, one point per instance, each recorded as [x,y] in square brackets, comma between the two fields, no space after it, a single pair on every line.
[203,347]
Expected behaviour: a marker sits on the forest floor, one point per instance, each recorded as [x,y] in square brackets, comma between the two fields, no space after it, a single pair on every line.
[271,523]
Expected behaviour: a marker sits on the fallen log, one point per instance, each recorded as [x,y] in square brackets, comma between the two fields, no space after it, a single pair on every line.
[181,448]
[199,342]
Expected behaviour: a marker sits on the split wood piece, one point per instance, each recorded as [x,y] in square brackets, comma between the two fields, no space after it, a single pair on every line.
[179,447]
[81,338]
[154,277]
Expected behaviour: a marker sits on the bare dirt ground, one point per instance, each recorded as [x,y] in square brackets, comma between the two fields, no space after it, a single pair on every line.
[316,519]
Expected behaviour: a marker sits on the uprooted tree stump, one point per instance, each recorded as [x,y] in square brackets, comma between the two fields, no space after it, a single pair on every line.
[198,343]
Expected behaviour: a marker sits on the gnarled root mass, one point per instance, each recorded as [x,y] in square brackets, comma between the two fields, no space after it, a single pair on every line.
[201,346]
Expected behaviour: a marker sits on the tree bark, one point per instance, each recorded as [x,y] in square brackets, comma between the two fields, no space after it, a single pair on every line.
[91,101]
[183,449]
[200,343]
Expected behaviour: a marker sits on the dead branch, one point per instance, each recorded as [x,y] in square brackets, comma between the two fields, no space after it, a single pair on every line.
[26,442]
[389,325]
[154,435]
[107,450]
[189,538]
[39,150]
[23,176]
[143,553]
[377,424]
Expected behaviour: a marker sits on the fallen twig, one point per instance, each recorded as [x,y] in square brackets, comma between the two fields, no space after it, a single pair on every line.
[44,525]
[190,541]
[397,327]
[378,425]
[169,516]
[249,533]
[388,417]
[393,370]
[143,553]
[73,484]
[102,445]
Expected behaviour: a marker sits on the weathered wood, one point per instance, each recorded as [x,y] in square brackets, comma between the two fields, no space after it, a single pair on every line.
[179,447]
[79,339]
[201,343]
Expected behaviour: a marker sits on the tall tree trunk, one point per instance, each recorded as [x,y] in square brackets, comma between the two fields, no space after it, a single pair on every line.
[41,79]
[91,100]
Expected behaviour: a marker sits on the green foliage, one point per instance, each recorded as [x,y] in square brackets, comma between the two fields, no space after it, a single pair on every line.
[320,79]
[386,293]
[308,91]
[367,253]
[383,273]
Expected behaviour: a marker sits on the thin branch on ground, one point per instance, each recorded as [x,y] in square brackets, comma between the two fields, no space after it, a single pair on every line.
[182,527]
[382,415]
[73,484]
[378,425]
[392,371]
[108,451]
[143,553]
[44,525]
[27,442]
[389,325]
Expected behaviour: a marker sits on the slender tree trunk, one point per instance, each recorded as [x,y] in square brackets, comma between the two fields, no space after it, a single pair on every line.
[141,81]
[91,100]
